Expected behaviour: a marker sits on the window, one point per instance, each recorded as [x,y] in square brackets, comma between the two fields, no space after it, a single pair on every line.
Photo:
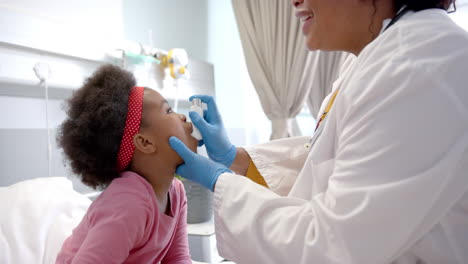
[306,122]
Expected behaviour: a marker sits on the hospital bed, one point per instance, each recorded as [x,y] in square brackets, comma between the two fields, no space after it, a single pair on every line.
[37,216]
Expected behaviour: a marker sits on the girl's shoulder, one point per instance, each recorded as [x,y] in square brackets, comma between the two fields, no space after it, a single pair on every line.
[131,183]
[129,188]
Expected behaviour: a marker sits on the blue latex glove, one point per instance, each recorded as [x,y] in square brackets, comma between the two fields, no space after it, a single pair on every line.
[218,146]
[196,167]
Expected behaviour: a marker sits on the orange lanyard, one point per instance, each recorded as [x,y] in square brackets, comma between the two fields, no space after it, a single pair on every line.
[327,109]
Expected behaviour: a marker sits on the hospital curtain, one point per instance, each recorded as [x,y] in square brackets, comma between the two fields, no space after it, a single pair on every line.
[326,69]
[278,61]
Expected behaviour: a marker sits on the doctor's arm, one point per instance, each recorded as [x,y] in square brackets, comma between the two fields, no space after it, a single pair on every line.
[392,179]
[241,162]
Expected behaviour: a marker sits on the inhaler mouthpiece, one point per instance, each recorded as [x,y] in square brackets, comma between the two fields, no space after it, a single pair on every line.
[197,107]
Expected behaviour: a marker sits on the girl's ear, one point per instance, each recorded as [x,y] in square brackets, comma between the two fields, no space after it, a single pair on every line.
[144,144]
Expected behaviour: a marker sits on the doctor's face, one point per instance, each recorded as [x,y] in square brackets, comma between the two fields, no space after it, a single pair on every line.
[337,24]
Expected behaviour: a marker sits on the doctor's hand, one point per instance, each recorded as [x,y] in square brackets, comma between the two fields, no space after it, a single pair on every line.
[218,145]
[196,167]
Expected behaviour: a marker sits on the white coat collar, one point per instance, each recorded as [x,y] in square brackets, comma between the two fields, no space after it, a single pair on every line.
[388,20]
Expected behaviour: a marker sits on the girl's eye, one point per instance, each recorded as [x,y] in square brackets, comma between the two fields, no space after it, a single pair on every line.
[169,111]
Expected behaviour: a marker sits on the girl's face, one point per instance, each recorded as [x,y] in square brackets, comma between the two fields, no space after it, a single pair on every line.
[337,24]
[160,123]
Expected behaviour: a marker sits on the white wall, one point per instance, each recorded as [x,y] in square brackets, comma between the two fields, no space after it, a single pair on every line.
[168,24]
[69,36]
[72,37]
[81,28]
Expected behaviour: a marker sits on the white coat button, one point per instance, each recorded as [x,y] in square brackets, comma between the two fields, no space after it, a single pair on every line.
[307,145]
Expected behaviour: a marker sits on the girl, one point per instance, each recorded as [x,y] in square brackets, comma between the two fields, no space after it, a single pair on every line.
[116,138]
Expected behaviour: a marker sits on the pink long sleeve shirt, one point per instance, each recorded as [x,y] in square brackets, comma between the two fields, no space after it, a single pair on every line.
[124,225]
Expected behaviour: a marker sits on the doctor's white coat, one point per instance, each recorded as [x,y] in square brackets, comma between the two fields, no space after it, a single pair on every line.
[386,181]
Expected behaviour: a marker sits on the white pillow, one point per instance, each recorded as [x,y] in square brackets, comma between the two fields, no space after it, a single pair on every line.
[36,216]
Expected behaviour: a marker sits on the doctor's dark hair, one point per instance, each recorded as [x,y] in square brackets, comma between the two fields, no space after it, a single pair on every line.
[90,136]
[418,5]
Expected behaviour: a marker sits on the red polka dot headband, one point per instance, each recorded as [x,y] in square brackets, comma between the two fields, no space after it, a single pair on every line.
[132,126]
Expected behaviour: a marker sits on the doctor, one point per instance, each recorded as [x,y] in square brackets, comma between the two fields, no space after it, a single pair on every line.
[384,179]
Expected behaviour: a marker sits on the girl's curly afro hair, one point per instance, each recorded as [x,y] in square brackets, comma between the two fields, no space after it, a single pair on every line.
[91,135]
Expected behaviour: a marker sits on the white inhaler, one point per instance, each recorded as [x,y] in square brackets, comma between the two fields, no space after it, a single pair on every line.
[197,107]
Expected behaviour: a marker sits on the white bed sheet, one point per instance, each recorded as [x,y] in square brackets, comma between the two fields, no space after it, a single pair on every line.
[36,216]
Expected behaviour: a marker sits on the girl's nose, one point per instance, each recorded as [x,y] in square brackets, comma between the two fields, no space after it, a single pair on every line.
[183,117]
